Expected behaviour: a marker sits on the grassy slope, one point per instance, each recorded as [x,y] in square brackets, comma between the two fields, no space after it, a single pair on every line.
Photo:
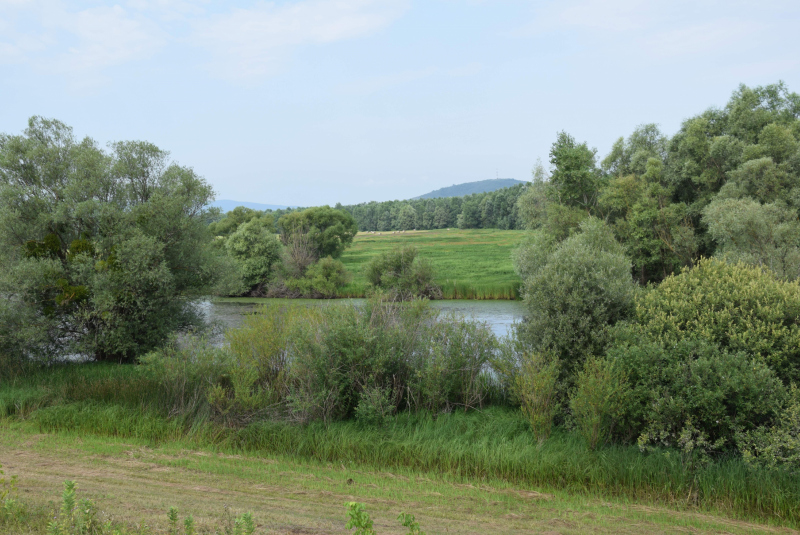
[134,480]
[469,264]
[493,447]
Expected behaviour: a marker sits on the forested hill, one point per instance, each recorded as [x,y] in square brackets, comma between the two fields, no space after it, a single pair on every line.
[469,188]
[494,209]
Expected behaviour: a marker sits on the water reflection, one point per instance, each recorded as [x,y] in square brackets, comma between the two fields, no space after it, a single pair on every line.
[499,315]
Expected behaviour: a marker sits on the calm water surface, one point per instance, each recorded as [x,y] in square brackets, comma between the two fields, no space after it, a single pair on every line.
[499,315]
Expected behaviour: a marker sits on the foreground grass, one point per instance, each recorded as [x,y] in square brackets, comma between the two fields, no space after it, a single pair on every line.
[469,264]
[134,481]
[493,447]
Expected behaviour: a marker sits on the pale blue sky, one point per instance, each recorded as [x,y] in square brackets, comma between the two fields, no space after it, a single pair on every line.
[309,102]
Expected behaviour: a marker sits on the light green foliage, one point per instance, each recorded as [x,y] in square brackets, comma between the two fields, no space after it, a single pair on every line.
[358,519]
[77,518]
[257,250]
[11,510]
[631,156]
[232,220]
[403,273]
[329,231]
[598,400]
[375,404]
[409,521]
[106,249]
[573,297]
[253,378]
[764,235]
[777,446]
[536,388]
[575,177]
[739,308]
[494,209]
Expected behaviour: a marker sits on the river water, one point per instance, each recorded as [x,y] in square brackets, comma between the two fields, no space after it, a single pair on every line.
[499,315]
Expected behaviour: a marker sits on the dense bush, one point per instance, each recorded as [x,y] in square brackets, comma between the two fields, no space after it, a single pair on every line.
[737,307]
[575,291]
[257,251]
[403,274]
[321,279]
[693,389]
[776,446]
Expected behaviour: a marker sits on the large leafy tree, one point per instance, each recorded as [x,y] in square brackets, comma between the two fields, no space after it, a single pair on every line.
[329,231]
[104,250]
[575,178]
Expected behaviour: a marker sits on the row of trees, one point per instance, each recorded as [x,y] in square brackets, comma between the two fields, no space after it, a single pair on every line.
[495,209]
[727,183]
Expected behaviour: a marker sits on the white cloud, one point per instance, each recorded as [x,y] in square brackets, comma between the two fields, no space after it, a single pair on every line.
[106,36]
[698,38]
[661,29]
[250,43]
[78,43]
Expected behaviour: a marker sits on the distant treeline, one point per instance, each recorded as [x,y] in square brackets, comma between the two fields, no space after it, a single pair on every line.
[495,209]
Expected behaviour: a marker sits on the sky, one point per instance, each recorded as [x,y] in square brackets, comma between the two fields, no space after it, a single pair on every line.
[311,102]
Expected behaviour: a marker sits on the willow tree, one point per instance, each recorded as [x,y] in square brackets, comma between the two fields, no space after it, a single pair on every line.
[102,252]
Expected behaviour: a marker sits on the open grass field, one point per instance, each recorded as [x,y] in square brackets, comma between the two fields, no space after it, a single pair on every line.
[134,481]
[469,264]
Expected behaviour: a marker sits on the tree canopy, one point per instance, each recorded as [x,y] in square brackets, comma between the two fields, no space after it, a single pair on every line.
[103,250]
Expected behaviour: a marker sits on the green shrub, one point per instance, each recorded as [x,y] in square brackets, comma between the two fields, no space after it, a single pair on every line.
[693,387]
[403,273]
[322,279]
[374,405]
[573,297]
[257,251]
[736,307]
[536,387]
[777,446]
[598,401]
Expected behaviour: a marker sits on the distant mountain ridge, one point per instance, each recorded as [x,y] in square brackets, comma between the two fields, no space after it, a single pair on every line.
[468,188]
[226,205]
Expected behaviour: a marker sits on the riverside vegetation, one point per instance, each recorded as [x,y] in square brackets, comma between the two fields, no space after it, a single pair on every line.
[658,362]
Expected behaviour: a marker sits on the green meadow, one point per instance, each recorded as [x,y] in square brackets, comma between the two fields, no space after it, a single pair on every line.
[469,264]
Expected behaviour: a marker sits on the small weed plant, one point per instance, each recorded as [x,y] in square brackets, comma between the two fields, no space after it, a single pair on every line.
[358,518]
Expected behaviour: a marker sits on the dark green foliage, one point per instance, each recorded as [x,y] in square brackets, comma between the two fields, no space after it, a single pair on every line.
[403,273]
[693,389]
[329,230]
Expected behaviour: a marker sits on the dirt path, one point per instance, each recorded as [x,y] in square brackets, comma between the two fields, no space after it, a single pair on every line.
[133,482]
